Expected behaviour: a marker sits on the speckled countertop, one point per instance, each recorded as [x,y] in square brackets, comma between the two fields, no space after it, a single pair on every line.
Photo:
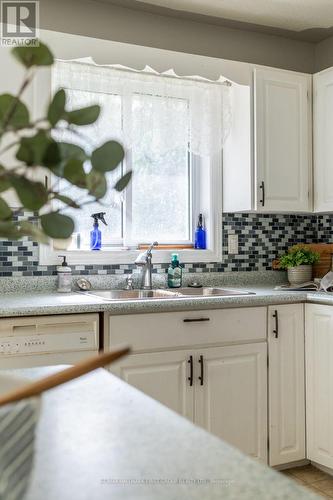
[117,443]
[42,303]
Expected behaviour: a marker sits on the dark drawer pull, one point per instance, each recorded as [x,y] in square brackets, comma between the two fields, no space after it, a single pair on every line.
[190,378]
[276,330]
[201,378]
[194,320]
[262,187]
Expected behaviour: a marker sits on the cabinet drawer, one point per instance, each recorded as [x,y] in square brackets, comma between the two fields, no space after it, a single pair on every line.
[180,329]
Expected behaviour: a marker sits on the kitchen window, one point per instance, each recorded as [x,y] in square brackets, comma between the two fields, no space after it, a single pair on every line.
[170,148]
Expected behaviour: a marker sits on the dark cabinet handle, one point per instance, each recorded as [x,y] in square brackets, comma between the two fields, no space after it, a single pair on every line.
[262,187]
[190,378]
[276,330]
[201,377]
[194,320]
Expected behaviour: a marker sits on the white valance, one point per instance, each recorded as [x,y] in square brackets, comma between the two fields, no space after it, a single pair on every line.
[167,110]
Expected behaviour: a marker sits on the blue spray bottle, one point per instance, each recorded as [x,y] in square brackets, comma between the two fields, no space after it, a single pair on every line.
[96,233]
[200,235]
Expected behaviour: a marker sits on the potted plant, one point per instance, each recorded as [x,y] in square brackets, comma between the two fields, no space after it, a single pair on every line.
[298,263]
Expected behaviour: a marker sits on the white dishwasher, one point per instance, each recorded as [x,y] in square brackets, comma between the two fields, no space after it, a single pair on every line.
[47,340]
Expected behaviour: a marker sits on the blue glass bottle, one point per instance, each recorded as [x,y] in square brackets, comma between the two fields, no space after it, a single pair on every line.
[200,235]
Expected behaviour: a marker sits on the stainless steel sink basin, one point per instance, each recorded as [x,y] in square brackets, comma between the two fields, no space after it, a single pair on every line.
[165,294]
[133,294]
[212,292]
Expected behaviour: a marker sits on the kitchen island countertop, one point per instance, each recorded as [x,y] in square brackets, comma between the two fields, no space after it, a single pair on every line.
[98,438]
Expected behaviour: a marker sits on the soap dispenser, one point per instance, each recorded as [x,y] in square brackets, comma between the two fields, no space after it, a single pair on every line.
[96,233]
[64,276]
[175,272]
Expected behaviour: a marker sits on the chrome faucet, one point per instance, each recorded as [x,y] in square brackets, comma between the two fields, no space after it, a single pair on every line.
[144,260]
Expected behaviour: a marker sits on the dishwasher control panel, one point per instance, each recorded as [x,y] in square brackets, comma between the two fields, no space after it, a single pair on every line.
[47,335]
[39,344]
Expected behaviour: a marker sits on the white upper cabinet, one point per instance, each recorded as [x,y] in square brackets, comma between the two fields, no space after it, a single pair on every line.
[322,140]
[282,134]
[267,158]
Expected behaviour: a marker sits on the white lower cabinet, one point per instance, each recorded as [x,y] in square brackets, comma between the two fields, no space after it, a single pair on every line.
[163,376]
[286,384]
[319,383]
[222,388]
[231,396]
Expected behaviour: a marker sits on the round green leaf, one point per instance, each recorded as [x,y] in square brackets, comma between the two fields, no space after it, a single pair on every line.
[107,157]
[5,211]
[96,184]
[56,109]
[83,116]
[13,112]
[74,173]
[57,225]
[32,149]
[34,56]
[68,150]
[33,195]
[123,181]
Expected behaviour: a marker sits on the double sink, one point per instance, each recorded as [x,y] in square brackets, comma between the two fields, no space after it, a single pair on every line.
[165,294]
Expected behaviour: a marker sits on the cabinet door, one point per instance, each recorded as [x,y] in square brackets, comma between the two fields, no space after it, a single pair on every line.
[319,383]
[286,384]
[322,140]
[232,402]
[164,376]
[282,112]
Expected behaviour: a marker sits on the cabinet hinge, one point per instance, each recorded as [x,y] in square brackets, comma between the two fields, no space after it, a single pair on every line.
[268,444]
[267,361]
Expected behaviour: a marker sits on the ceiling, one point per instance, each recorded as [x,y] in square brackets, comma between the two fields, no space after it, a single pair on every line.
[296,15]
[310,20]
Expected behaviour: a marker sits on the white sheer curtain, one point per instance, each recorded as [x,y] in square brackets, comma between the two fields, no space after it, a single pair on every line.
[153,105]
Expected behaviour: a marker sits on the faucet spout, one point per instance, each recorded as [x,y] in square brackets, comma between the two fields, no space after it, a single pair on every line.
[144,260]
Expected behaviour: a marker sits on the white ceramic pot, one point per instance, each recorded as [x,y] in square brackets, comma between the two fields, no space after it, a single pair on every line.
[17,435]
[300,274]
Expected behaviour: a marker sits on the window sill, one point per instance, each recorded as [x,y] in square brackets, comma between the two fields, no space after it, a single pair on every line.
[49,256]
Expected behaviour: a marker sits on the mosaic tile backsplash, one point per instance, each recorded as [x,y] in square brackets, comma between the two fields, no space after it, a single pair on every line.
[261,238]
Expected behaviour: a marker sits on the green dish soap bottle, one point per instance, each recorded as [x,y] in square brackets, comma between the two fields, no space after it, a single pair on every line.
[175,272]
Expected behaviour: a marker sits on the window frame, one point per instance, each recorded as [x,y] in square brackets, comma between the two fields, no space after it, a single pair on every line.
[210,203]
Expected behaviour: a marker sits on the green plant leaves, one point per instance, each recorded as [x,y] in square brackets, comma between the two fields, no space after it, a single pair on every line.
[83,116]
[13,112]
[5,211]
[56,110]
[4,182]
[108,156]
[33,56]
[74,173]
[96,184]
[33,149]
[32,195]
[66,200]
[68,150]
[9,230]
[56,225]
[26,228]
[122,183]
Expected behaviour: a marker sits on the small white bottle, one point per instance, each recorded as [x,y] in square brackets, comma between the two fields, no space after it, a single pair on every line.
[64,276]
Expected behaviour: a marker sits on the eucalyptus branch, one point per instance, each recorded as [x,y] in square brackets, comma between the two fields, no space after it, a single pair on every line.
[27,80]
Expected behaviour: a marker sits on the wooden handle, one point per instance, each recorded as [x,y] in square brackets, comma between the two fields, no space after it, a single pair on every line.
[85,366]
